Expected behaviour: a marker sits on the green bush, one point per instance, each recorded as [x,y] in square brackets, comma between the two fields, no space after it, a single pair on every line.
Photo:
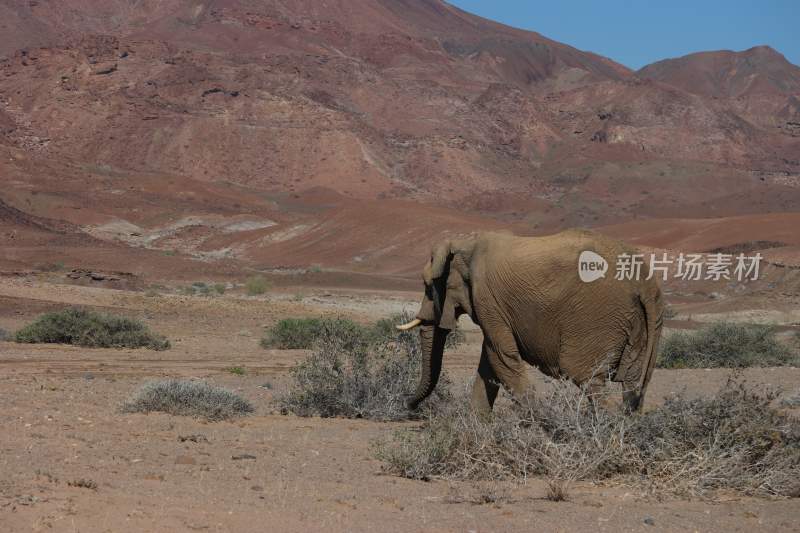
[352,374]
[257,285]
[303,333]
[89,328]
[724,344]
[187,398]
[733,440]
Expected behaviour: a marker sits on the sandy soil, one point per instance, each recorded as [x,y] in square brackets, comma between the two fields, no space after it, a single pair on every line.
[61,424]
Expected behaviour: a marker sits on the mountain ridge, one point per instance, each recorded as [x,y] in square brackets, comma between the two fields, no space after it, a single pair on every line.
[372,101]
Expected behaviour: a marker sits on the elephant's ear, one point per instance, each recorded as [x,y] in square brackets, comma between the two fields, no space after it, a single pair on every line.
[440,259]
[448,316]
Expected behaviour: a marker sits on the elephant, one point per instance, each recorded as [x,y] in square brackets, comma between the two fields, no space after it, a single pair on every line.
[527,297]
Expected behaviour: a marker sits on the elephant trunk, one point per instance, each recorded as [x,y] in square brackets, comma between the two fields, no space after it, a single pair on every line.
[432,341]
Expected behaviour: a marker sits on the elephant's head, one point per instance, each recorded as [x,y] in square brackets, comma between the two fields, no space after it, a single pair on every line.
[448,295]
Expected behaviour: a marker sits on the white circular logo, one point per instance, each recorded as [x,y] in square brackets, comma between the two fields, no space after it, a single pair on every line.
[591,266]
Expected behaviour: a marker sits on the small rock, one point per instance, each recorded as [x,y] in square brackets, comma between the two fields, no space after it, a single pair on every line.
[792,401]
[193,438]
[649,521]
[184,460]
[243,456]
[257,488]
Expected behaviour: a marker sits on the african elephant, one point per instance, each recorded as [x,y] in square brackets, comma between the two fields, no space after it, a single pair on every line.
[526,295]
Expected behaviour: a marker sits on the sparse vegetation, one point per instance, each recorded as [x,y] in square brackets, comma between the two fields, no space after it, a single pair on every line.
[83,327]
[724,344]
[201,288]
[257,285]
[238,370]
[55,266]
[353,374]
[733,440]
[4,336]
[188,398]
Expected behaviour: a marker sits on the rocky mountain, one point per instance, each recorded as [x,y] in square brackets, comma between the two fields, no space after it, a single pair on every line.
[239,129]
[757,71]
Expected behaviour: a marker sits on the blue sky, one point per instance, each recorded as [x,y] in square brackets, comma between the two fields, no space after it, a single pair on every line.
[638,32]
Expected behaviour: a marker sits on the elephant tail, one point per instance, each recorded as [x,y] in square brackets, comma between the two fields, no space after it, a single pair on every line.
[654,318]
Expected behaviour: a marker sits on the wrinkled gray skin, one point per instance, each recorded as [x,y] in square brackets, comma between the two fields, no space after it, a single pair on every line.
[527,298]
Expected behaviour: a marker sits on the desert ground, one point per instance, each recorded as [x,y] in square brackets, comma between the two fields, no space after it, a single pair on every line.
[71,461]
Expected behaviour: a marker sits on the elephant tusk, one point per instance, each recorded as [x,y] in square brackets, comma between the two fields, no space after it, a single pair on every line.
[411,325]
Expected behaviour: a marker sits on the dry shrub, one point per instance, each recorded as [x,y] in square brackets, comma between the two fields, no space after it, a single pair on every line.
[356,375]
[187,398]
[732,440]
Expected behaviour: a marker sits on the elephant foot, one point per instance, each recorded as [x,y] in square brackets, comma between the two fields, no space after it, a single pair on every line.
[411,402]
[632,401]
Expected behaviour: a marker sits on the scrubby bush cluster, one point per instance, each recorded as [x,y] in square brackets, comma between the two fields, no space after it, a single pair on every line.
[725,344]
[733,440]
[354,372]
[187,398]
[303,333]
[83,327]
[201,288]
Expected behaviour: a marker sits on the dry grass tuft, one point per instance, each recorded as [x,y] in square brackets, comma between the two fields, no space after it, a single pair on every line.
[187,398]
[556,490]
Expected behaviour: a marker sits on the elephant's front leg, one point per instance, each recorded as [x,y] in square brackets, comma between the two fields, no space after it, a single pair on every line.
[485,386]
[501,364]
